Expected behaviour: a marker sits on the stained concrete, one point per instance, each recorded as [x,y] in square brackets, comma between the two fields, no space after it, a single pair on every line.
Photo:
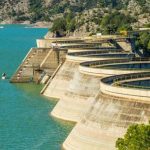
[108,119]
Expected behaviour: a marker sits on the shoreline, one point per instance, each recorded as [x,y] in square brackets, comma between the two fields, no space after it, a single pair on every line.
[34,25]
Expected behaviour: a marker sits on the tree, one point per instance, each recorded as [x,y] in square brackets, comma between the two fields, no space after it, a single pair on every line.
[143,42]
[37,11]
[71,25]
[148,45]
[136,138]
[65,24]
[115,22]
[70,21]
[59,25]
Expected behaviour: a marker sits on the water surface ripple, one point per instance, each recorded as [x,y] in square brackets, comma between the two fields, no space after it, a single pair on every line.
[24,120]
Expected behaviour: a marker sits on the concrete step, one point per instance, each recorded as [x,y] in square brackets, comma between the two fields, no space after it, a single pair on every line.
[33,59]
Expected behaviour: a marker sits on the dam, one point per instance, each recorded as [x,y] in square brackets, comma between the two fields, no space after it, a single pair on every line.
[98,83]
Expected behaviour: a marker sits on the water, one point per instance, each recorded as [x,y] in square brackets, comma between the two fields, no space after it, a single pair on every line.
[25,123]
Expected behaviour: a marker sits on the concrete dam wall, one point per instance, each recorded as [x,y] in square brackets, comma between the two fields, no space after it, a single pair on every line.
[74,89]
[31,62]
[109,117]
[101,117]
[98,82]
[83,87]
[59,84]
[107,120]
[37,63]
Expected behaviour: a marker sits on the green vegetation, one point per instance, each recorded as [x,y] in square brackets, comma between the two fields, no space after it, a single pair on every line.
[143,42]
[109,24]
[136,138]
[116,22]
[106,16]
[59,25]
[36,9]
[57,8]
[64,24]
[39,10]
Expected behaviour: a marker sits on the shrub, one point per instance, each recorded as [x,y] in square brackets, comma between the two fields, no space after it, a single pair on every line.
[136,138]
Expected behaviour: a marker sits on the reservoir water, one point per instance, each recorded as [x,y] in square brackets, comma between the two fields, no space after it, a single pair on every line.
[25,123]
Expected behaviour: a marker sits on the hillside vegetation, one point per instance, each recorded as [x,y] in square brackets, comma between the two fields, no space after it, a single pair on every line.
[137,137]
[86,11]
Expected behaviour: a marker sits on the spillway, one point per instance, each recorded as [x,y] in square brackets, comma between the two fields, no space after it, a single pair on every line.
[58,86]
[79,88]
[84,85]
[114,108]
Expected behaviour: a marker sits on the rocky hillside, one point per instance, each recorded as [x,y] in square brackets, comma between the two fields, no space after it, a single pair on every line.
[88,12]
[13,10]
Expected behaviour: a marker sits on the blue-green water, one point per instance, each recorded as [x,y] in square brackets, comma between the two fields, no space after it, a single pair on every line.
[24,120]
